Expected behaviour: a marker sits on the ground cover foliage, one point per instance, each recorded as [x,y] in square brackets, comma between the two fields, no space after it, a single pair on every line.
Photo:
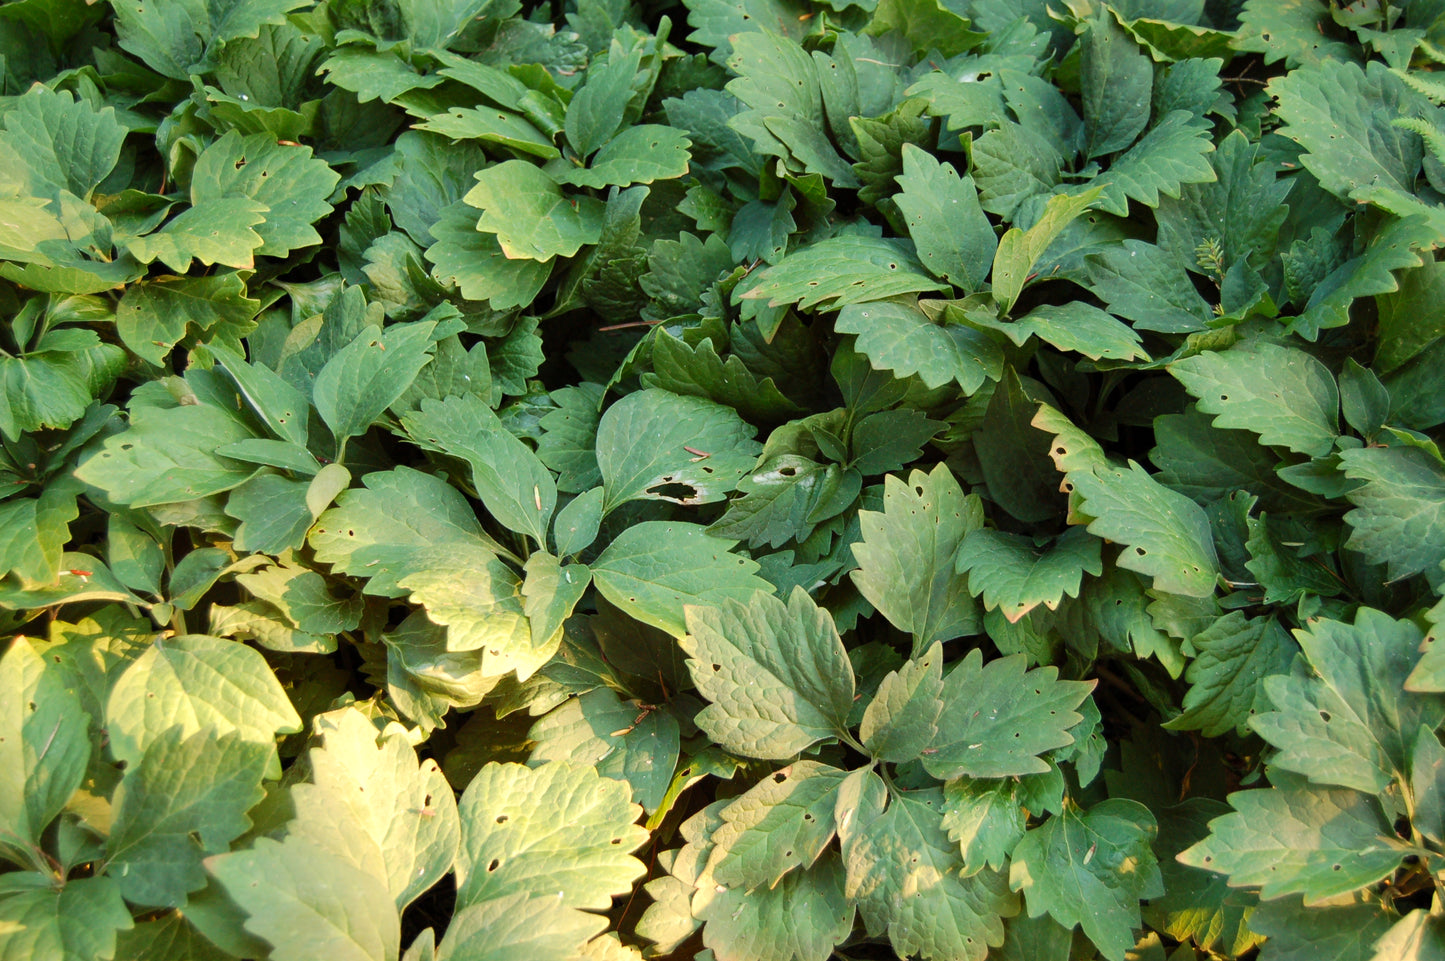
[758,480]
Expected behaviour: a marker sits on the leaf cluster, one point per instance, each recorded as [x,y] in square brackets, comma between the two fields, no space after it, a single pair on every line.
[749,480]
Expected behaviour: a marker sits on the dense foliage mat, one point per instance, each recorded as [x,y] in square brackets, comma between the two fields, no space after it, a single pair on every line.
[752,480]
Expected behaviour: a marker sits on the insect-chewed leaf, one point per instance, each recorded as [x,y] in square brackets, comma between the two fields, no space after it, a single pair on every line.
[907,875]
[44,748]
[783,822]
[1091,868]
[657,445]
[1350,723]
[998,718]
[906,557]
[777,674]
[1296,838]
[576,847]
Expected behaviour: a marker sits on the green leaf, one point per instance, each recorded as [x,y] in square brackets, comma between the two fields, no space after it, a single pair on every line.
[216,231]
[154,315]
[172,36]
[530,215]
[35,530]
[291,182]
[551,590]
[1297,838]
[1198,905]
[1282,394]
[473,261]
[1342,931]
[597,109]
[907,875]
[167,456]
[699,372]
[1281,570]
[1091,868]
[289,892]
[1242,209]
[282,407]
[1391,248]
[953,237]
[784,88]
[906,556]
[53,389]
[487,124]
[1297,31]
[785,499]
[777,674]
[801,919]
[43,752]
[1406,325]
[785,821]
[132,556]
[1166,535]
[1149,286]
[1117,80]
[467,588]
[1348,724]
[1236,654]
[380,532]
[1015,574]
[1206,463]
[1013,164]
[1340,114]
[1397,519]
[621,739]
[927,25]
[76,921]
[186,798]
[902,719]
[849,269]
[998,718]
[652,570]
[1074,326]
[643,452]
[1415,937]
[60,143]
[1170,155]
[888,439]
[374,787]
[517,927]
[640,154]
[171,937]
[513,484]
[365,377]
[568,444]
[985,818]
[1019,249]
[273,513]
[900,338]
[192,682]
[577,843]
[577,524]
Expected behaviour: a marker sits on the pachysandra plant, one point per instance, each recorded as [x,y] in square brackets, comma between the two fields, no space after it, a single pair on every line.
[745,480]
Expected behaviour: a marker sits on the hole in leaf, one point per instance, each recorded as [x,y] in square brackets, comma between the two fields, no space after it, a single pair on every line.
[680,493]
